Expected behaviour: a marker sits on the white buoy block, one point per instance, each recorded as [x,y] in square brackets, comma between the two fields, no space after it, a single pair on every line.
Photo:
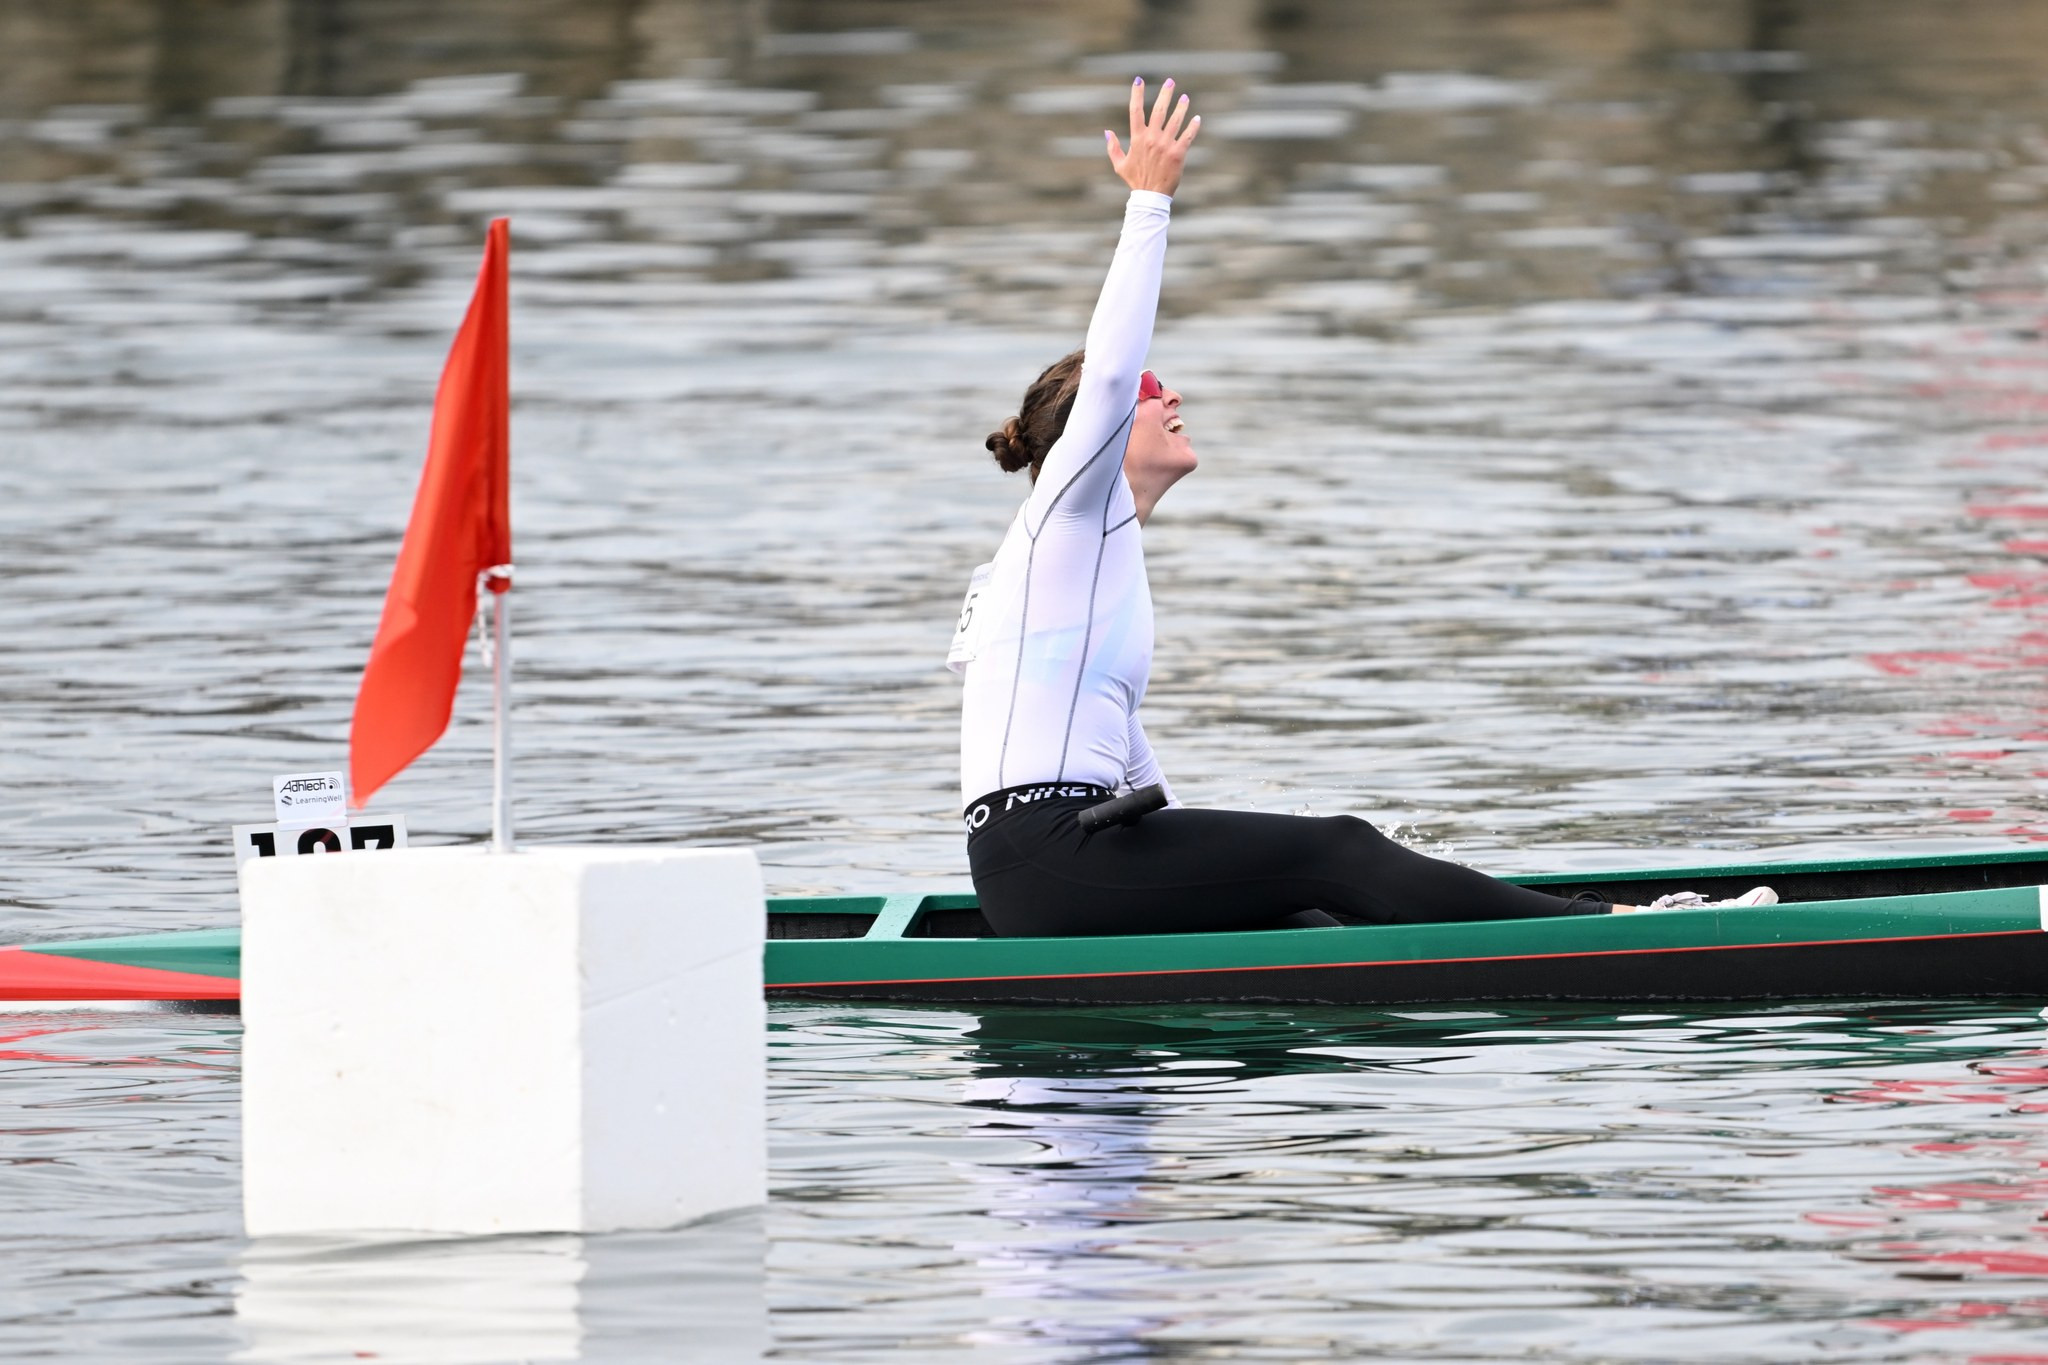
[455,1041]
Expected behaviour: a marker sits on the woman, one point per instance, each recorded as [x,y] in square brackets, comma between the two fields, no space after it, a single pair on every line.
[1055,641]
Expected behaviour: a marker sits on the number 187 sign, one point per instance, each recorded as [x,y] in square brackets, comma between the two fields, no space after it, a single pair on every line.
[284,841]
[312,818]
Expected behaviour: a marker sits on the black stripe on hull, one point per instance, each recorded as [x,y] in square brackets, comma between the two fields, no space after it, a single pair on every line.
[2002,964]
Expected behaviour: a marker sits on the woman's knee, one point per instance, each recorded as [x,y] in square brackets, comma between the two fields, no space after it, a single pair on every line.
[1354,832]
[1363,853]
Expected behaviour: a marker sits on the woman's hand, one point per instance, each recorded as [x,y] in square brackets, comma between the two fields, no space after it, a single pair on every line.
[1159,144]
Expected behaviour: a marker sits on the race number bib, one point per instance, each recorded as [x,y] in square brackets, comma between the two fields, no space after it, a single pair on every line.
[967,635]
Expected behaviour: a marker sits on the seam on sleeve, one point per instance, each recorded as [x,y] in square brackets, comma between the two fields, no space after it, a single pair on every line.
[1053,506]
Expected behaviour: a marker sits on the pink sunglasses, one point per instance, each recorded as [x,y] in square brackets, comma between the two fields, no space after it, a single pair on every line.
[1150,387]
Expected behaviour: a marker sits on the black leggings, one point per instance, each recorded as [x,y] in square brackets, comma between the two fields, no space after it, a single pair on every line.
[1182,871]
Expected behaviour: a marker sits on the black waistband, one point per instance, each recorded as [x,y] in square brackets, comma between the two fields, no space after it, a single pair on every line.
[986,808]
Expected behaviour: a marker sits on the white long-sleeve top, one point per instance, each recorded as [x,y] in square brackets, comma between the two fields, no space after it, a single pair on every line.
[1056,635]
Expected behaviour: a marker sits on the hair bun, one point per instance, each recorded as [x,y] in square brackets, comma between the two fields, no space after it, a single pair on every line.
[1009,446]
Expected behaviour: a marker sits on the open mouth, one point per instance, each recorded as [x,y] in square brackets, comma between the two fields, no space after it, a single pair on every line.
[1174,425]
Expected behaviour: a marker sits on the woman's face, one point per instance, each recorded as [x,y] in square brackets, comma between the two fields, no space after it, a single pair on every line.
[1159,452]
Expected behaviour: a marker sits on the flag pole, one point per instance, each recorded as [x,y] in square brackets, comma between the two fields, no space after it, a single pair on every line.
[499,578]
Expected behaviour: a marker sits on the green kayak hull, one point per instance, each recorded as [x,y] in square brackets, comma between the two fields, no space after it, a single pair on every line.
[1947,925]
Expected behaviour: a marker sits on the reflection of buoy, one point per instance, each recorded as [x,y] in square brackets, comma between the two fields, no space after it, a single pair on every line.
[509,1298]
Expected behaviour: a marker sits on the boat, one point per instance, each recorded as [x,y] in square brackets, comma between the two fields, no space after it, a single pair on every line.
[1939,925]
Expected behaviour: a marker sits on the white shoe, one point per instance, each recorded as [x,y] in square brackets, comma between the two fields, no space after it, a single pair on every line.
[1693,900]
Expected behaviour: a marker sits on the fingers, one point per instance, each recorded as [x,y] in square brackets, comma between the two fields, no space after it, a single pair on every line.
[1160,105]
[1173,120]
[1151,158]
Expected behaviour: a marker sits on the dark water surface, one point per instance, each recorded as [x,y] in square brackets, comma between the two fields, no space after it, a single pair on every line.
[1622,430]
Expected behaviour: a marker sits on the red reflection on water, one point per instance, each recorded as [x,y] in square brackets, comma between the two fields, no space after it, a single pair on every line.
[1997,1262]
[1918,1092]
[69,1059]
[1951,1196]
[26,1055]
[1999,387]
[2022,589]
[1912,662]
[2016,590]
[1965,1315]
[1993,1243]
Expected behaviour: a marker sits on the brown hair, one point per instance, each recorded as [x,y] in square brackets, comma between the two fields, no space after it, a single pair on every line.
[1040,419]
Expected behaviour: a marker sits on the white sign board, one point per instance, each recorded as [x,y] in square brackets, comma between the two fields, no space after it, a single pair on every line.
[288,841]
[310,799]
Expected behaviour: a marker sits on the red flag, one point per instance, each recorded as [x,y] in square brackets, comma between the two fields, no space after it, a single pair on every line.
[461,526]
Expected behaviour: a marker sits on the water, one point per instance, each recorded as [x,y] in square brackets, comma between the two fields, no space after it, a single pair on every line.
[1846,1182]
[1621,431]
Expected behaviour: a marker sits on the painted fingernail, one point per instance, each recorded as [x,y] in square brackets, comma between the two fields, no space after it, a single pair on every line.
[1137,80]
[1183,99]
[1168,81]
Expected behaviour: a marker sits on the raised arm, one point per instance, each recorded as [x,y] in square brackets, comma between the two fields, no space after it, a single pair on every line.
[1090,450]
